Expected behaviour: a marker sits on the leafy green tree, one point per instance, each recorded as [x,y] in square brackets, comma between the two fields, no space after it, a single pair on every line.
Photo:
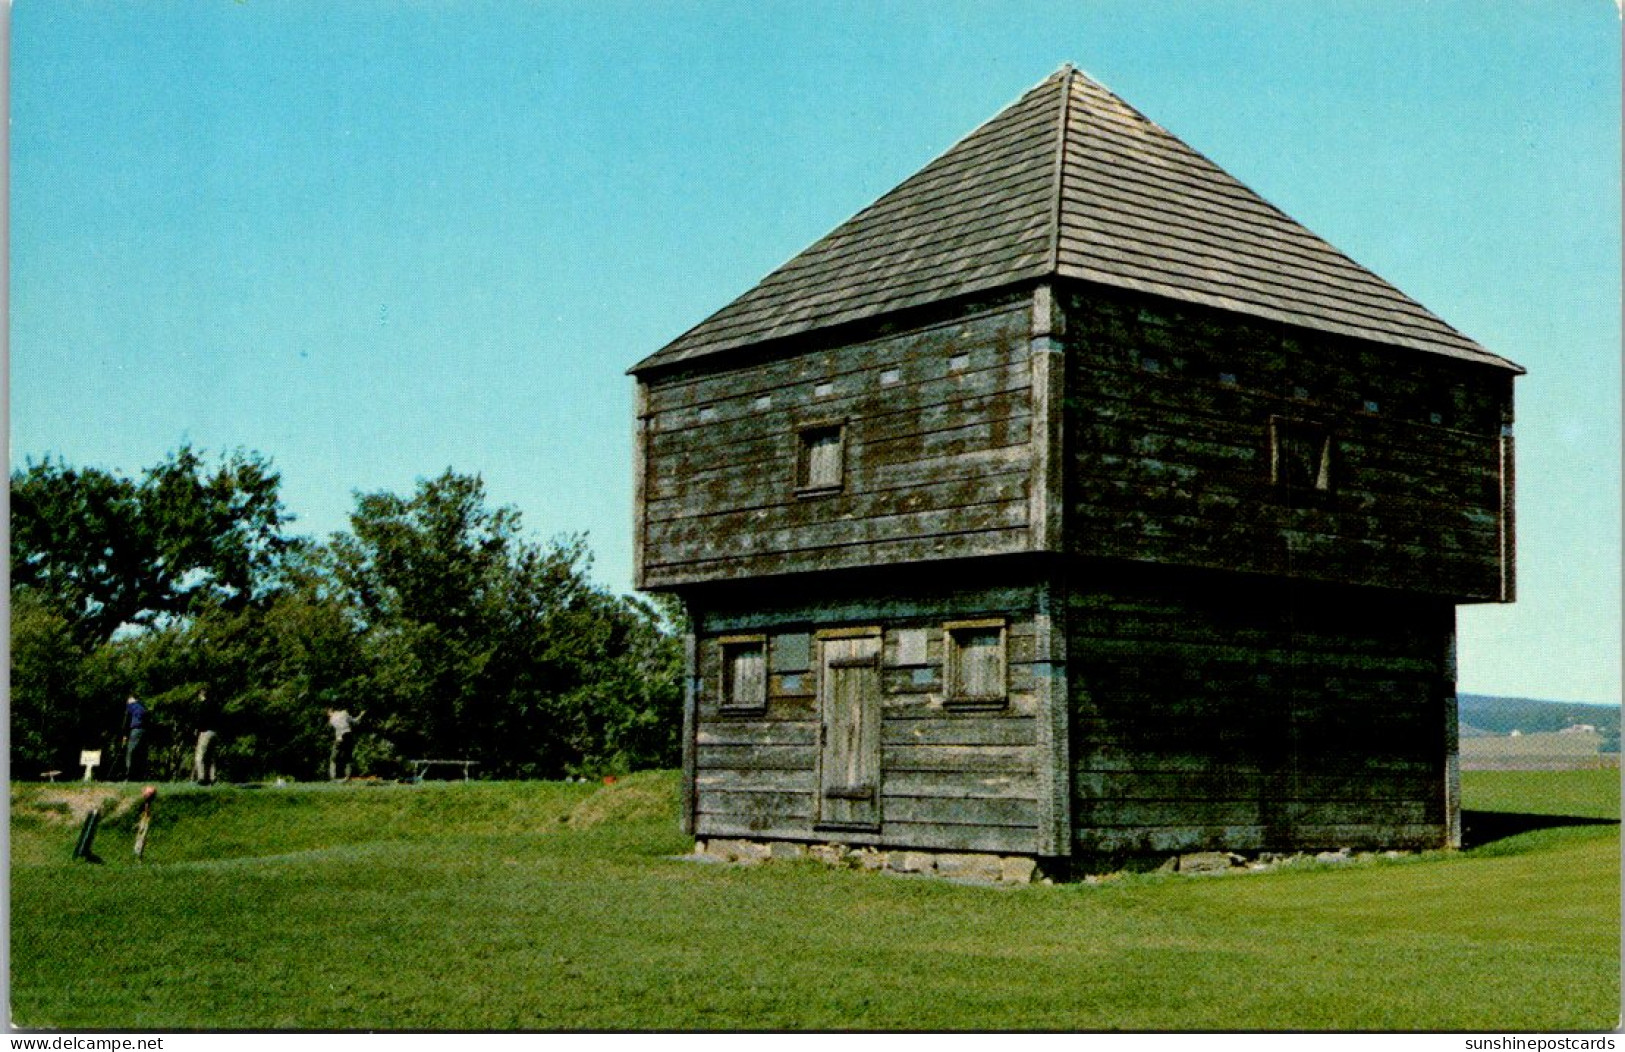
[315,656]
[489,646]
[153,581]
[435,614]
[50,722]
[113,552]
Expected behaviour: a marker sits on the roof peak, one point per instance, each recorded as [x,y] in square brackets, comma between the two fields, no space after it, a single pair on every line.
[1070,181]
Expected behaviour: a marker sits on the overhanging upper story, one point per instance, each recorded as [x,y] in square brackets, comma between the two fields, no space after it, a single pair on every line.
[1073,334]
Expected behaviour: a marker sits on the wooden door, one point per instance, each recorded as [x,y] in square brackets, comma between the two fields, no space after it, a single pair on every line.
[849,752]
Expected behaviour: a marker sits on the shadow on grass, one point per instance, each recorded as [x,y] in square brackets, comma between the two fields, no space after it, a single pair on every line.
[1486,827]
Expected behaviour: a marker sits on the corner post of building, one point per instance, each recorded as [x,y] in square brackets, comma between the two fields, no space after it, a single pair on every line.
[1045,496]
[1509,517]
[640,453]
[1452,735]
[1053,731]
[691,719]
[1047,509]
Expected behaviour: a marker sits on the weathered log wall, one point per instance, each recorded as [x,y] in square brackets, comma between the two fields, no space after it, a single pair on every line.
[1169,432]
[954,780]
[937,436]
[1216,711]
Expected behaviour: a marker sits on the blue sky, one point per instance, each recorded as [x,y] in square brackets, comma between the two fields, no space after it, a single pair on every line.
[374,240]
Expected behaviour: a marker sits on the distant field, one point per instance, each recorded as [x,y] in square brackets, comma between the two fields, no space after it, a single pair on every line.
[1536,751]
[547,906]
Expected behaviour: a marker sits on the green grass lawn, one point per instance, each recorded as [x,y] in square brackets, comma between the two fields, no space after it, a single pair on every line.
[541,906]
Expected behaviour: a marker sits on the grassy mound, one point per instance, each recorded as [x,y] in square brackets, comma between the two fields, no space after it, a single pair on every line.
[648,796]
[550,906]
[195,824]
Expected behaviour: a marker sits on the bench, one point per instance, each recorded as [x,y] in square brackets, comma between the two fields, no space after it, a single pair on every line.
[422,767]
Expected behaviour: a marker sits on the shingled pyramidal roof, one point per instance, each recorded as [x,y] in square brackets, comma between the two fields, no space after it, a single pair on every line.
[1071,181]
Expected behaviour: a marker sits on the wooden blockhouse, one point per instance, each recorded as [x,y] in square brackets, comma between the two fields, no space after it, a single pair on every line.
[1073,502]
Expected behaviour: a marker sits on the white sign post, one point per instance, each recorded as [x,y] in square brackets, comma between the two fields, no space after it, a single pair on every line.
[91,758]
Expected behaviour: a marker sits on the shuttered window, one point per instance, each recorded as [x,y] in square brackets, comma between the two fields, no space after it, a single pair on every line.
[744,674]
[1300,459]
[820,463]
[974,656]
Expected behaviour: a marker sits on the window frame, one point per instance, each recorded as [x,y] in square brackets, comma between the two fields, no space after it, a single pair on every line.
[1286,429]
[727,648]
[805,432]
[952,696]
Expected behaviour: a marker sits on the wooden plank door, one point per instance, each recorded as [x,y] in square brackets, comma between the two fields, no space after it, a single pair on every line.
[849,752]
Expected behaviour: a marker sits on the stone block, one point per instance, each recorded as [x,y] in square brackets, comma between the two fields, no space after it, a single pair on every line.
[970,867]
[727,850]
[1205,862]
[830,854]
[1340,855]
[871,859]
[912,861]
[754,851]
[786,851]
[1018,869]
[737,850]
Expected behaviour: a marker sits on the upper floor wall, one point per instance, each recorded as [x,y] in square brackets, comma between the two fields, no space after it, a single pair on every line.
[1090,421]
[905,447]
[1199,437]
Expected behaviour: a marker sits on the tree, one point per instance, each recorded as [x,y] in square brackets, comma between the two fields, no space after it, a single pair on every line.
[435,614]
[489,646]
[50,722]
[110,551]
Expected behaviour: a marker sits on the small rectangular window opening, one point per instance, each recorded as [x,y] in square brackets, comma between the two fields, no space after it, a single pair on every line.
[1300,457]
[820,461]
[744,674]
[974,672]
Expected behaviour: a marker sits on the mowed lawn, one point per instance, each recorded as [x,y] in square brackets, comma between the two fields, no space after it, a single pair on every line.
[549,906]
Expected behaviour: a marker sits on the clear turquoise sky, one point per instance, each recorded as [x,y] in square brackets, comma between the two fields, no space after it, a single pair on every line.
[373,240]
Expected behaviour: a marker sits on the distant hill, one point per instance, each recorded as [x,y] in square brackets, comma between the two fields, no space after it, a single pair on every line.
[1482,714]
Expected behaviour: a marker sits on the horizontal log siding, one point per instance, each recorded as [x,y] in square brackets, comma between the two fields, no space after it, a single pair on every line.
[1212,713]
[1168,431]
[950,780]
[937,458]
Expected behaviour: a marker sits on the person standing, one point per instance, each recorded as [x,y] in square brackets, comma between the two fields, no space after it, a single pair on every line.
[208,732]
[134,730]
[343,724]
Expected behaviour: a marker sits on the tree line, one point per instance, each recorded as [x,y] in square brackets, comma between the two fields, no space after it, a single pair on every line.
[458,635]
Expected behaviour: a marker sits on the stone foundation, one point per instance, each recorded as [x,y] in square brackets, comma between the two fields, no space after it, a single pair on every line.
[1007,869]
[975,868]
